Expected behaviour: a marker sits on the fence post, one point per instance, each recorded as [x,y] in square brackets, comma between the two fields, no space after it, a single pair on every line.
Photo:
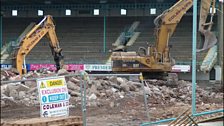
[83,95]
[145,97]
[194,40]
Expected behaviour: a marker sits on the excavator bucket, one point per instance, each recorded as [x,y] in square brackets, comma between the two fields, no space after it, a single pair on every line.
[209,40]
[205,28]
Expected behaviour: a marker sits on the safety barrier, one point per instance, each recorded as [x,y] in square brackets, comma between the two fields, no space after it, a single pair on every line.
[88,67]
[83,84]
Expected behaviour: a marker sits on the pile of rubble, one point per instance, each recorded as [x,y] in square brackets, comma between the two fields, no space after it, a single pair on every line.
[99,89]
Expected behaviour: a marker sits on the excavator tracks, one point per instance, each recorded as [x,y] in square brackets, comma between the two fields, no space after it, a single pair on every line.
[56,121]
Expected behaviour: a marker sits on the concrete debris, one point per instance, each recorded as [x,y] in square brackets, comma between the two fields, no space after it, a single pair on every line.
[3,89]
[22,94]
[132,86]
[111,104]
[3,104]
[73,86]
[13,93]
[124,87]
[148,91]
[74,80]
[93,87]
[30,84]
[114,90]
[92,97]
[62,72]
[74,93]
[8,101]
[121,80]
[31,90]
[102,89]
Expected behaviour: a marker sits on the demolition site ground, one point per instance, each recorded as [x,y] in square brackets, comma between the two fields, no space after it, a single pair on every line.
[111,101]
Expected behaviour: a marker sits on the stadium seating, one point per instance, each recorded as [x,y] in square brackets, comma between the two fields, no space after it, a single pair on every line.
[82,39]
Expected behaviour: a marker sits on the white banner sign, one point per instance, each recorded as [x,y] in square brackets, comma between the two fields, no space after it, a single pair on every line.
[6,66]
[97,67]
[53,96]
[108,67]
[181,68]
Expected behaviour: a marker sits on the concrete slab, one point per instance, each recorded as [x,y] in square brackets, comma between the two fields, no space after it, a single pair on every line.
[219,123]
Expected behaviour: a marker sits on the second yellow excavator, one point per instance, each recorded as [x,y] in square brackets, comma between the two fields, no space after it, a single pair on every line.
[157,59]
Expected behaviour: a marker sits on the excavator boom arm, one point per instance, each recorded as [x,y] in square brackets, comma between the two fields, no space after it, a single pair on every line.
[29,41]
[205,28]
[166,23]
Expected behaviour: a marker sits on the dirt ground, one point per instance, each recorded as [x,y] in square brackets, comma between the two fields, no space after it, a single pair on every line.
[125,112]
[117,109]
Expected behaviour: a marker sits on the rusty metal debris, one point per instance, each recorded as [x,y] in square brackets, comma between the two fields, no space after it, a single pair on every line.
[184,119]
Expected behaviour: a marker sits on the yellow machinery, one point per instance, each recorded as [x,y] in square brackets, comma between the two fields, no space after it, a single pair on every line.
[157,58]
[205,28]
[31,38]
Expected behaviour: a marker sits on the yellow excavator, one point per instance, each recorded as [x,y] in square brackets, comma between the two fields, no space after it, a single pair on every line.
[28,41]
[157,59]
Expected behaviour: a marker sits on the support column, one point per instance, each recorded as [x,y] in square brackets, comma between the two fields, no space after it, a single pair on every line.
[1,31]
[194,40]
[104,34]
[220,38]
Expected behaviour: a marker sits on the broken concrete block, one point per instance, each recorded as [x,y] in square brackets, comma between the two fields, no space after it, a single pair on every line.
[33,97]
[109,92]
[3,104]
[93,89]
[3,89]
[98,85]
[73,93]
[62,72]
[120,80]
[72,86]
[22,87]
[31,84]
[124,87]
[74,80]
[147,90]
[102,94]
[26,99]
[22,94]
[10,87]
[3,77]
[132,87]
[173,100]
[92,97]
[136,84]
[31,90]
[114,90]
[111,104]
[113,79]
[155,89]
[13,93]
[13,78]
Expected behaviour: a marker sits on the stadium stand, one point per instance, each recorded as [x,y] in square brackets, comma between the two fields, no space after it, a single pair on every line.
[82,38]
